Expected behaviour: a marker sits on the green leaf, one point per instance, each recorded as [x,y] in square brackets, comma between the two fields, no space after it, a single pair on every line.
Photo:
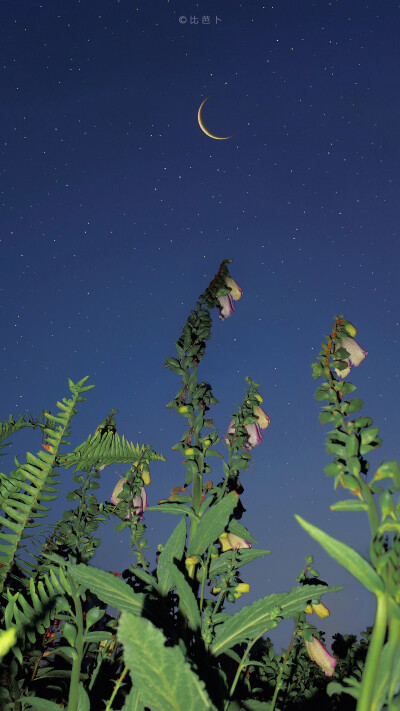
[163,677]
[347,388]
[83,698]
[173,508]
[108,588]
[173,549]
[7,640]
[333,469]
[346,556]
[133,701]
[243,555]
[363,422]
[38,704]
[354,465]
[388,470]
[259,617]
[351,445]
[349,505]
[326,416]
[188,602]
[146,577]
[369,435]
[238,529]
[212,524]
[97,636]
[321,393]
[354,405]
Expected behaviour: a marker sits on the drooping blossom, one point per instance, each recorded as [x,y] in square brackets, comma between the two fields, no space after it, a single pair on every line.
[229,541]
[138,503]
[321,656]
[226,301]
[236,291]
[356,356]
[263,419]
[226,306]
[253,430]
[319,609]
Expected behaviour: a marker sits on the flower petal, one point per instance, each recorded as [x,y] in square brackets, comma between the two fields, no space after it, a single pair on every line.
[230,541]
[263,419]
[357,354]
[320,655]
[117,490]
[226,306]
[254,435]
[236,291]
[343,373]
[321,610]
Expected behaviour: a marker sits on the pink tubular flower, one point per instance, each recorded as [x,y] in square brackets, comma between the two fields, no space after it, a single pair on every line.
[255,437]
[356,356]
[253,431]
[230,541]
[138,503]
[226,304]
[320,655]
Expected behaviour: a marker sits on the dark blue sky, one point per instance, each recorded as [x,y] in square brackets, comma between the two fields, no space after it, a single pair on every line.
[117,210]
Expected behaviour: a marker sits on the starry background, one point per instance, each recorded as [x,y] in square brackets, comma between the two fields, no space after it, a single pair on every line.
[117,210]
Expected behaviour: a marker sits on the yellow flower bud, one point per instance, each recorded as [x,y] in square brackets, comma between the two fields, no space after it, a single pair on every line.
[321,610]
[308,610]
[242,588]
[259,398]
[215,590]
[183,408]
[207,442]
[192,560]
[351,330]
[146,477]
[189,451]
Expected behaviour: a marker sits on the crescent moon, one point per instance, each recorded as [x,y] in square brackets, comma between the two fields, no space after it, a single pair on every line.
[204,129]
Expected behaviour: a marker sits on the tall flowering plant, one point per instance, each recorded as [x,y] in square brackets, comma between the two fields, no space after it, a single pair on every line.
[351,438]
[177,641]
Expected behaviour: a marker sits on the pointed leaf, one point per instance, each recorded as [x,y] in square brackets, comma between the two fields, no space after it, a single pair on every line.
[264,614]
[173,549]
[173,508]
[163,677]
[346,556]
[212,524]
[243,555]
[108,588]
[349,505]
[187,600]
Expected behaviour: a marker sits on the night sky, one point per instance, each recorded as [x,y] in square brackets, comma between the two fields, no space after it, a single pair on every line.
[117,211]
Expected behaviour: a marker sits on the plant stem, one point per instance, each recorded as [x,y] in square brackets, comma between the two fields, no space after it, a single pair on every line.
[242,664]
[77,659]
[366,701]
[116,689]
[284,661]
[205,568]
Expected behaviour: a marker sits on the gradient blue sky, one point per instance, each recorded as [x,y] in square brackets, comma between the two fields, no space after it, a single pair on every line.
[117,211]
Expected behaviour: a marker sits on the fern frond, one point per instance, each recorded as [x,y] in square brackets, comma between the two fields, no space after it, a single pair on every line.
[33,482]
[8,427]
[98,451]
